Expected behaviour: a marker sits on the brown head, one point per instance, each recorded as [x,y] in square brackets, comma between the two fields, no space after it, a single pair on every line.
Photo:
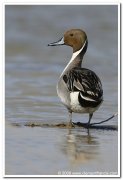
[74,38]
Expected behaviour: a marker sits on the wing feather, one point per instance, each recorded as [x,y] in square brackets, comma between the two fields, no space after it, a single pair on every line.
[84,81]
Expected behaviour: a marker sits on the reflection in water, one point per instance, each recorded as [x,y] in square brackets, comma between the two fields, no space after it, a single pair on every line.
[80,148]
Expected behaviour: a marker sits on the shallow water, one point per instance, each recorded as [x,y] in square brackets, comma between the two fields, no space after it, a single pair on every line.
[32,72]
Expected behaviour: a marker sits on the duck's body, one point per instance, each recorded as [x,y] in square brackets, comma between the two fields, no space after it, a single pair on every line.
[79,89]
[79,94]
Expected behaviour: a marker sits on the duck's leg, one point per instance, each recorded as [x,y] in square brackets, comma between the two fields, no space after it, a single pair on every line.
[70,119]
[90,117]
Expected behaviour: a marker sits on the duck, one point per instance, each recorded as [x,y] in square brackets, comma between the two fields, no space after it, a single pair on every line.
[79,89]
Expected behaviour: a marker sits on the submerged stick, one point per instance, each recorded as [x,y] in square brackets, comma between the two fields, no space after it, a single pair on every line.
[102,127]
[95,125]
[104,120]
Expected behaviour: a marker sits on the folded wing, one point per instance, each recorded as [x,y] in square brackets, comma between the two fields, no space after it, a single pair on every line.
[87,83]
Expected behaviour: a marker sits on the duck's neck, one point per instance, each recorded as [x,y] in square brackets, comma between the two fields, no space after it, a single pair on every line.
[76,59]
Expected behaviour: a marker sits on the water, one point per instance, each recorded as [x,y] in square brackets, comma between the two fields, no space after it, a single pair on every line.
[32,72]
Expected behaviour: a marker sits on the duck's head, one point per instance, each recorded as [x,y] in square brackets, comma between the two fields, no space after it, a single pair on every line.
[76,38]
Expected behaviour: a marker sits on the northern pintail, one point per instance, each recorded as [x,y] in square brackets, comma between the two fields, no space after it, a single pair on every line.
[79,89]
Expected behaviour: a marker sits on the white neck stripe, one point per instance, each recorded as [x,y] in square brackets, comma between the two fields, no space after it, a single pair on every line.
[77,52]
[74,55]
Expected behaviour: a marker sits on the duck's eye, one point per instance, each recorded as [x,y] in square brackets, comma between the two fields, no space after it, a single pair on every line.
[71,34]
